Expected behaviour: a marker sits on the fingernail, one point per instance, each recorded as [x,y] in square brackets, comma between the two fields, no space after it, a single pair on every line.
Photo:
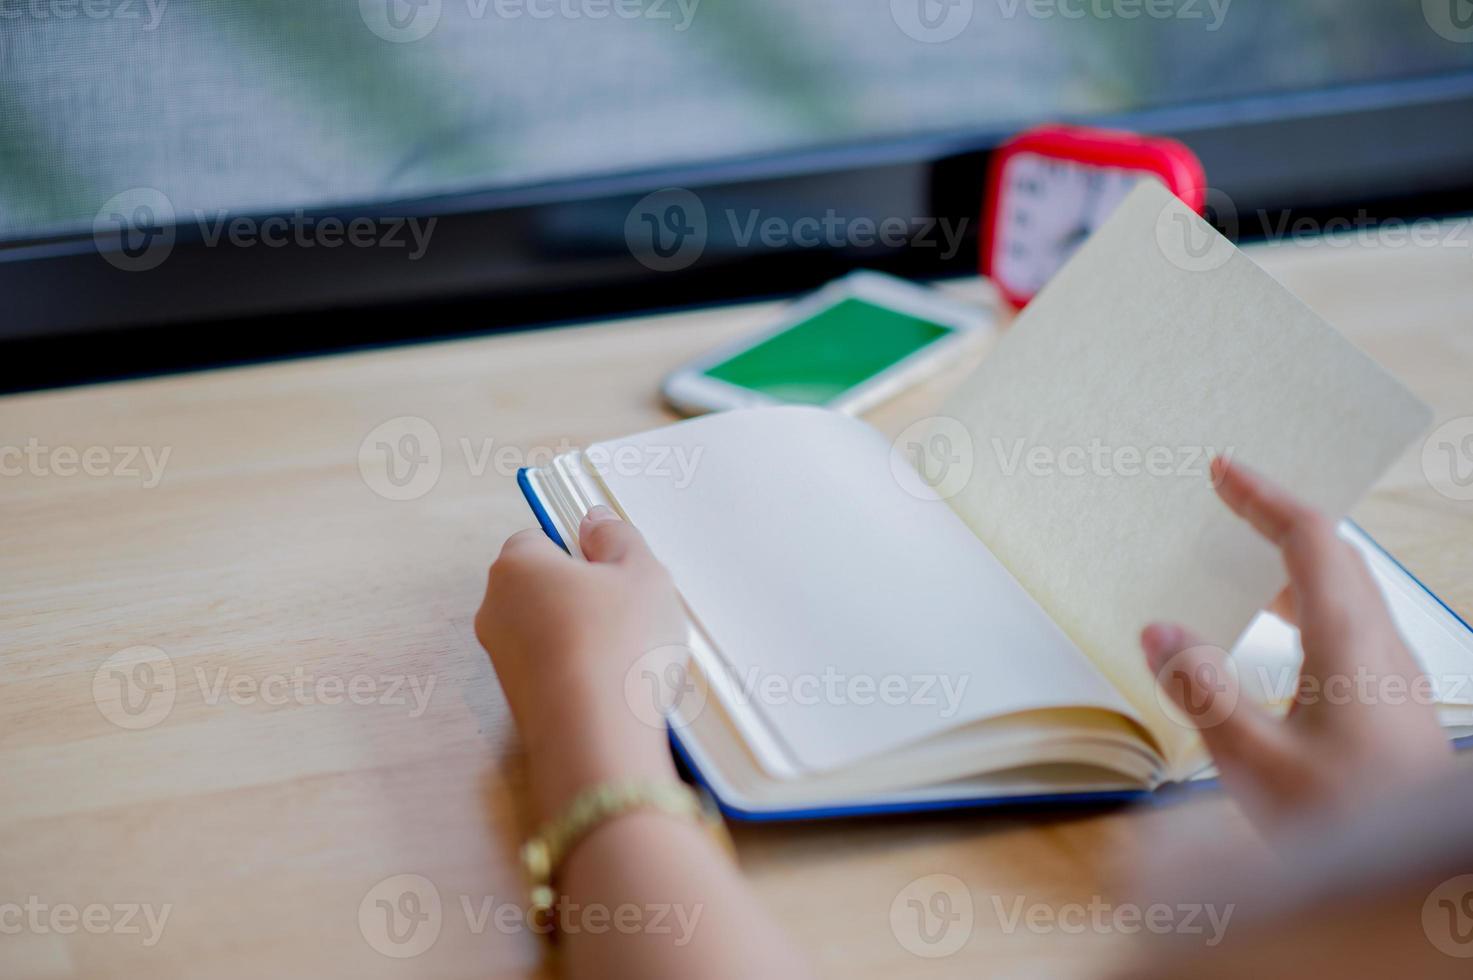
[601,513]
[1161,641]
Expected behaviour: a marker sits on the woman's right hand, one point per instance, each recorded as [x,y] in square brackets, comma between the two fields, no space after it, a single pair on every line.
[1332,750]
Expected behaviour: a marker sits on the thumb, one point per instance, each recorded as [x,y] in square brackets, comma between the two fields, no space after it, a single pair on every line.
[1197,686]
[604,538]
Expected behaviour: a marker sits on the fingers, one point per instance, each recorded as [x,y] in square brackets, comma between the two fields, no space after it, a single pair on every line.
[523,554]
[1334,597]
[1306,537]
[1201,682]
[1271,511]
[1283,606]
[530,544]
[1315,556]
[604,538]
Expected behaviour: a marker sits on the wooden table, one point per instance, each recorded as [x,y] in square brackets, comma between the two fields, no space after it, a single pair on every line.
[260,795]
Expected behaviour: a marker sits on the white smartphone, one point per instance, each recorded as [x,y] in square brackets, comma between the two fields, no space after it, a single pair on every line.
[849,346]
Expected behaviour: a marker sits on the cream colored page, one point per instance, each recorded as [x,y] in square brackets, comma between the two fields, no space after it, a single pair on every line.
[1093,421]
[857,612]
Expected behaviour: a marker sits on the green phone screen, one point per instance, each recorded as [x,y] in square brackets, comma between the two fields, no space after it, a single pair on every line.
[818,359]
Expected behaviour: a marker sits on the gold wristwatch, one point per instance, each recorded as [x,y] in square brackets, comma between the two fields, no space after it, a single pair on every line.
[544,853]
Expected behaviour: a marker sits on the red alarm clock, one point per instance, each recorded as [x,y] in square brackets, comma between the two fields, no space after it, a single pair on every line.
[1050,187]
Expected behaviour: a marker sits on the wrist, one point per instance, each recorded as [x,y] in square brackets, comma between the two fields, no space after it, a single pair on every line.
[587,746]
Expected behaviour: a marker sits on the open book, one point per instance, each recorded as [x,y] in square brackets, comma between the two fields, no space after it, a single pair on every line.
[953,618]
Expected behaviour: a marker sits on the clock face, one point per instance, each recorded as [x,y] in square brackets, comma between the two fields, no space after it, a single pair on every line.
[1047,207]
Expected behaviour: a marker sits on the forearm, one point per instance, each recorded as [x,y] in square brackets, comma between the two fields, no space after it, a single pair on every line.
[646,893]
[686,911]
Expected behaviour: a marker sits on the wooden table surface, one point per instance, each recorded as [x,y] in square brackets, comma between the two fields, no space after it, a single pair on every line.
[309,713]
